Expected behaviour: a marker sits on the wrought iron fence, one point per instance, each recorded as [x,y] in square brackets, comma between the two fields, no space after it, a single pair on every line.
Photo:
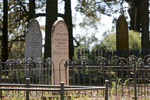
[16,71]
[61,91]
[108,54]
[127,76]
[130,76]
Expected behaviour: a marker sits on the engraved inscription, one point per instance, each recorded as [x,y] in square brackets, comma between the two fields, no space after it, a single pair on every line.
[34,39]
[60,51]
[61,40]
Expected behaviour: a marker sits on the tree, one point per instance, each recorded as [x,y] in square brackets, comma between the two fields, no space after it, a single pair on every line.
[68,20]
[16,15]
[31,10]
[145,24]
[51,17]
[134,40]
[138,11]
[92,10]
[18,18]
[139,14]
[134,12]
[109,41]
[5,31]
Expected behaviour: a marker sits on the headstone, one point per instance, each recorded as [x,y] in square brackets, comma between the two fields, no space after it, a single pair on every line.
[60,50]
[33,43]
[122,44]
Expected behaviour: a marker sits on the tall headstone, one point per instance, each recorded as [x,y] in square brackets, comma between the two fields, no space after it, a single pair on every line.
[33,42]
[122,44]
[60,50]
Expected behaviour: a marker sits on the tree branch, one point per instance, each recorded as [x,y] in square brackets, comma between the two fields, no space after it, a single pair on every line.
[20,3]
[19,38]
[40,14]
[61,15]
[1,21]
[78,44]
[12,7]
[1,28]
[44,14]
[0,38]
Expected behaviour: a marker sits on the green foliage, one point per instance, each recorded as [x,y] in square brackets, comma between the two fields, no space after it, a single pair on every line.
[17,50]
[85,43]
[17,24]
[134,40]
[89,22]
[109,41]
[87,7]
[92,11]
[93,8]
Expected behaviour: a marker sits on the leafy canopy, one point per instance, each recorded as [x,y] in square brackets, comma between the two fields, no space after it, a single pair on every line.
[109,41]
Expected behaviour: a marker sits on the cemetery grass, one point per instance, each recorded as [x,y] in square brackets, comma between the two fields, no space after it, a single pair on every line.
[49,96]
[94,95]
[74,98]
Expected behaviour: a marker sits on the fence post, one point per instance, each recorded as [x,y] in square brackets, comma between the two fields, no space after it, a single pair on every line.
[135,92]
[0,73]
[62,90]
[106,92]
[27,86]
[1,80]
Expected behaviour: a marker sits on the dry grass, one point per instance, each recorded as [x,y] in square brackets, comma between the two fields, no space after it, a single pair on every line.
[82,95]
[70,97]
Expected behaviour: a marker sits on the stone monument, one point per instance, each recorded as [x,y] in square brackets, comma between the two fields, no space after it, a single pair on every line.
[122,44]
[33,42]
[59,50]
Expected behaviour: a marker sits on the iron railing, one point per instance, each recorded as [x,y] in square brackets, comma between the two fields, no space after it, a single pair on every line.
[108,54]
[61,89]
[16,71]
[127,76]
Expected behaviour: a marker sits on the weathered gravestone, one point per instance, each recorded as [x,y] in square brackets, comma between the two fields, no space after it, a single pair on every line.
[60,50]
[33,44]
[122,44]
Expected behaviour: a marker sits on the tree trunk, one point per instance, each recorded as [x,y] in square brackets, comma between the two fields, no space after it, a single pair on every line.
[131,10]
[51,17]
[31,10]
[139,15]
[134,12]
[5,31]
[145,24]
[68,20]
